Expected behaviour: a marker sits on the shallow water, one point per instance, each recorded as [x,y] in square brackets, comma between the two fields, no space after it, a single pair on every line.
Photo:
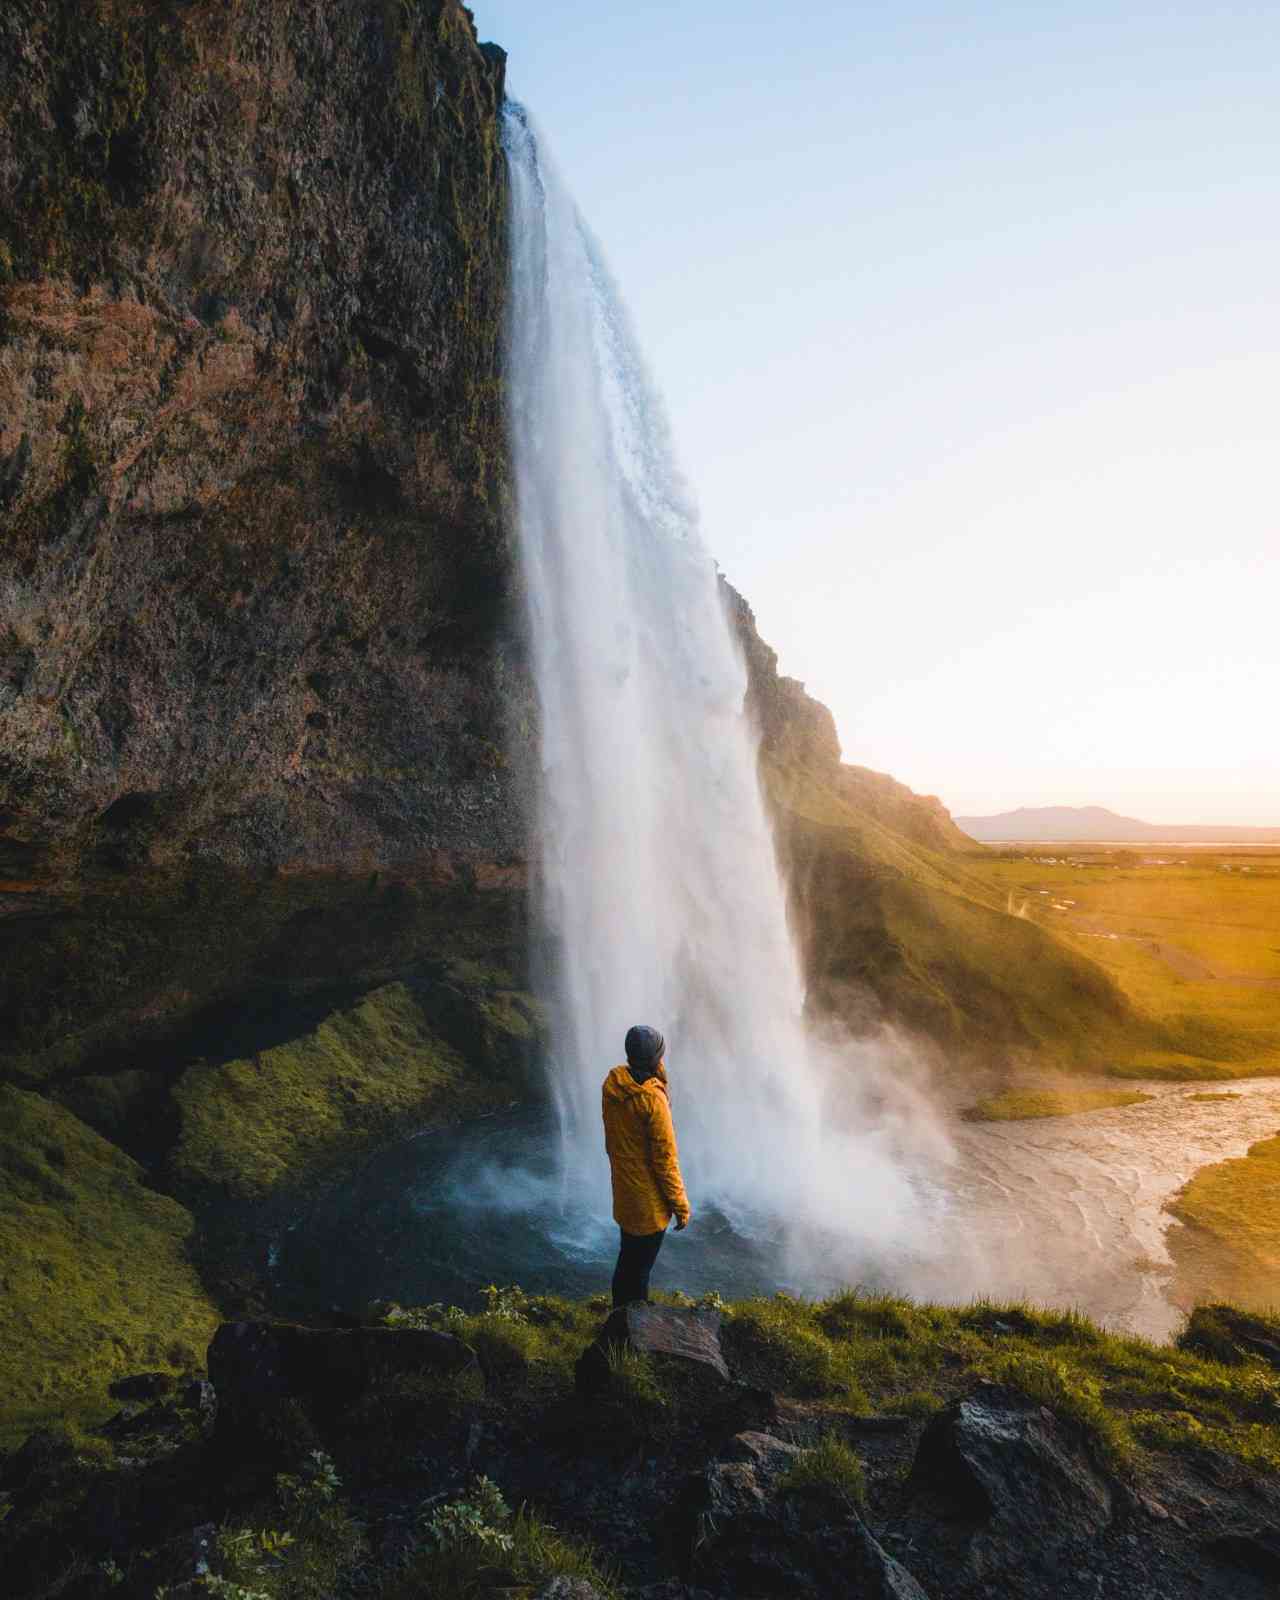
[1067,1211]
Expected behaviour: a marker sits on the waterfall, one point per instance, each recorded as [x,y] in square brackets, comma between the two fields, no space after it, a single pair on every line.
[656,879]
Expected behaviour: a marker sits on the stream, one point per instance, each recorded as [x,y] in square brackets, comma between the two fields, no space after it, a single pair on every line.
[1065,1211]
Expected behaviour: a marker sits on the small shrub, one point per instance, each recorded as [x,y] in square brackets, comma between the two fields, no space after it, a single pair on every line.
[314,1487]
[303,1560]
[830,1468]
[475,1545]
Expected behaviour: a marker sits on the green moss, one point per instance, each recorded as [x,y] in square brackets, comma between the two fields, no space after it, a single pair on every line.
[249,1126]
[93,1264]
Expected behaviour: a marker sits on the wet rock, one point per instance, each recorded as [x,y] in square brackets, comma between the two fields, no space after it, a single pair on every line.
[1025,1481]
[750,1536]
[681,1341]
[324,1368]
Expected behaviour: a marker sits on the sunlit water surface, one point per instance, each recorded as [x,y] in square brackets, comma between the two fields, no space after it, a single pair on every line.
[1067,1211]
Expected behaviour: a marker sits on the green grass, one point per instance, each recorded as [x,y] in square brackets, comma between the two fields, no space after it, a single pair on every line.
[93,1264]
[1229,1246]
[830,1468]
[896,1355]
[249,1126]
[1015,1105]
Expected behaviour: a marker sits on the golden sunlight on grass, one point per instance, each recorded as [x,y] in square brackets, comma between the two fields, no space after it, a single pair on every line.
[1229,1246]
[1015,1105]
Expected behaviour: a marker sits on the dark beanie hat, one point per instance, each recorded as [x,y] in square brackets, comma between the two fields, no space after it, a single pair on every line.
[644,1046]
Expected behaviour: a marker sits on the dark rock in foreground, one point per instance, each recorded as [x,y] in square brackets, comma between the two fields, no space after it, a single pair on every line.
[1256,1551]
[255,1362]
[1023,1479]
[751,1535]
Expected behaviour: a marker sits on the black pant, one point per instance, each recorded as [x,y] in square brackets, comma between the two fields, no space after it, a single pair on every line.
[635,1262]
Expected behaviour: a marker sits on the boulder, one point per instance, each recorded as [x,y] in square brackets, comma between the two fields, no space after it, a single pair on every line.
[1252,1550]
[749,1535]
[143,1386]
[324,1368]
[681,1341]
[1023,1478]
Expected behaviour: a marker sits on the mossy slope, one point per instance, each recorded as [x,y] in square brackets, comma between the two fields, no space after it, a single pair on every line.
[249,1126]
[95,1272]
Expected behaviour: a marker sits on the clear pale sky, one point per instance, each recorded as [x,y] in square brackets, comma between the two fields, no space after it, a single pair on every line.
[968,321]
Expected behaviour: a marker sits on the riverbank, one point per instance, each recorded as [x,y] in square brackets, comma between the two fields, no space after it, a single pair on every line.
[1227,1243]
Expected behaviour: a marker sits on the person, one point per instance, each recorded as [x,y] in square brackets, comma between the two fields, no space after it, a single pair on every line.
[643,1161]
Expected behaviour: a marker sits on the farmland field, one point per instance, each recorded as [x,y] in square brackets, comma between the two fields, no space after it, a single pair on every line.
[1191,935]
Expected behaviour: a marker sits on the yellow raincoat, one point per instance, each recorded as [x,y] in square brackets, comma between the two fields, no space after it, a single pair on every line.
[641,1140]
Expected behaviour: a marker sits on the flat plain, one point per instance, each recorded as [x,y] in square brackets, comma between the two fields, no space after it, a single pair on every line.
[1190,935]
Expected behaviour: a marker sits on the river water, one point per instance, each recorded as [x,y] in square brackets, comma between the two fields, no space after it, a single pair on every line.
[1065,1211]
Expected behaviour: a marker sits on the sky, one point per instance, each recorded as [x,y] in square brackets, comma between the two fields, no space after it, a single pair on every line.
[968,323]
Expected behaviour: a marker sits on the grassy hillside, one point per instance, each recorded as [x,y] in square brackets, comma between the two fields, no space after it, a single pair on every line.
[900,923]
[1143,971]
[101,1274]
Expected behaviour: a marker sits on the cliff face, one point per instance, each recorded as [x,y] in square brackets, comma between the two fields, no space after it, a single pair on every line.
[255,690]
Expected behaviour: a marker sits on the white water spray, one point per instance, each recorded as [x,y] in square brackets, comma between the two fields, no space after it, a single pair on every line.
[657,880]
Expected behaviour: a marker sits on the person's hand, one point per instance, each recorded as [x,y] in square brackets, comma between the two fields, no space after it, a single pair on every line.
[682,1223]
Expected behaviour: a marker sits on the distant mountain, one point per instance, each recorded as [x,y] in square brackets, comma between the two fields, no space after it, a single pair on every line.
[1097,823]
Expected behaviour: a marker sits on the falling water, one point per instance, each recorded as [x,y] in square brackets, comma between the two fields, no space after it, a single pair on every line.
[657,880]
